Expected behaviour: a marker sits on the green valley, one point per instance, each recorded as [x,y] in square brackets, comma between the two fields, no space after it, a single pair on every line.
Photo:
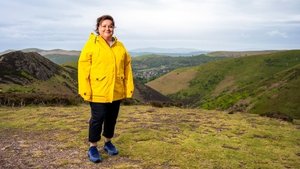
[266,83]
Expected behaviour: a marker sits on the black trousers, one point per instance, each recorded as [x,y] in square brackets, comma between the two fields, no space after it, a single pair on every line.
[103,115]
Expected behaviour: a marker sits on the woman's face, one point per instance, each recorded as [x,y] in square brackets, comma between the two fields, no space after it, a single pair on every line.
[106,29]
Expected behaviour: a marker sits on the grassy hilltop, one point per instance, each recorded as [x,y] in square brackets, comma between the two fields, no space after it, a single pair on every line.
[258,84]
[148,137]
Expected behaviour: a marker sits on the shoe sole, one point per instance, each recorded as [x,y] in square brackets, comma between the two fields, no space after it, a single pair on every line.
[97,161]
[111,154]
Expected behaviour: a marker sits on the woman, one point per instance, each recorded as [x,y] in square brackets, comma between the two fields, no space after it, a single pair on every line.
[104,79]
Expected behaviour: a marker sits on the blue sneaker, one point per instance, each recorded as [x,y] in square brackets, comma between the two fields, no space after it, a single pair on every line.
[94,155]
[110,148]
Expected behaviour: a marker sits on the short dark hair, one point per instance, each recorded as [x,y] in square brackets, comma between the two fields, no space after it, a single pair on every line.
[101,19]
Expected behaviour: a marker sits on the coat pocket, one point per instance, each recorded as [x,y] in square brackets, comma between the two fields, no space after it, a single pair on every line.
[119,87]
[99,86]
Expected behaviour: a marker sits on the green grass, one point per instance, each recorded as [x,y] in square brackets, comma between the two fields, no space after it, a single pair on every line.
[169,137]
[268,82]
[62,59]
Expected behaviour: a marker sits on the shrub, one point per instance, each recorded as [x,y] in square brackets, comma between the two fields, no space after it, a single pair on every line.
[278,115]
[156,104]
[127,102]
[23,99]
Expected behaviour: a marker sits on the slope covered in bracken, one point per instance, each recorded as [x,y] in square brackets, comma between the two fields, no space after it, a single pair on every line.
[262,84]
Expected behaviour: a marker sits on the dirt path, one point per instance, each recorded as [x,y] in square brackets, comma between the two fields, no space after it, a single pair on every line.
[37,150]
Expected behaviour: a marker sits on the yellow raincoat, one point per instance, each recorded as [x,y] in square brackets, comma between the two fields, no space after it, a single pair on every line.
[104,72]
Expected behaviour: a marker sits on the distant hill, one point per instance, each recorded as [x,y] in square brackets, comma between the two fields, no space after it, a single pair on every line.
[166,51]
[240,53]
[267,83]
[58,56]
[46,52]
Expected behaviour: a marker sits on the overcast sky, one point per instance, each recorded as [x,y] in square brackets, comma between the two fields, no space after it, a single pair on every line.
[197,24]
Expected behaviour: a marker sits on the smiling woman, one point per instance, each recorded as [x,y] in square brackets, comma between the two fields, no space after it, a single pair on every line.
[104,79]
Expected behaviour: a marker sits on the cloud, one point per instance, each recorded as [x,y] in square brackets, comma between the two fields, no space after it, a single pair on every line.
[209,24]
[275,33]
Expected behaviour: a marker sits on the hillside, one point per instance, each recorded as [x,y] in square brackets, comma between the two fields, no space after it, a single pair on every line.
[145,94]
[22,68]
[27,78]
[174,81]
[149,67]
[260,84]
[147,137]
